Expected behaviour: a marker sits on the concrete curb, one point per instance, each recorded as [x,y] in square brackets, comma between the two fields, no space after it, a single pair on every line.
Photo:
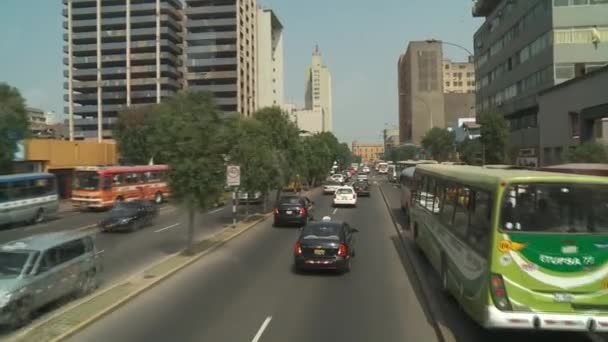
[230,233]
[426,295]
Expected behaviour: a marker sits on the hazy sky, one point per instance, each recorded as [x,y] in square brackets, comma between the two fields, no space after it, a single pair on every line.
[360,41]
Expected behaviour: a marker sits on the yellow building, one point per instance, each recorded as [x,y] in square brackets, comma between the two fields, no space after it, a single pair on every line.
[368,152]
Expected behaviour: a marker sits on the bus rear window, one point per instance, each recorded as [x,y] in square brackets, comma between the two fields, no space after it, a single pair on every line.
[555,208]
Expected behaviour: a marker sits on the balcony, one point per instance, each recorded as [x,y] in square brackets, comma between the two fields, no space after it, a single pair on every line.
[84,73]
[226,101]
[195,12]
[91,37]
[212,75]
[211,35]
[195,63]
[119,95]
[212,48]
[217,88]
[194,23]
[84,11]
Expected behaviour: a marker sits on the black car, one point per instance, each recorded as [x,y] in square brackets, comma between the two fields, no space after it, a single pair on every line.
[361,188]
[293,210]
[325,245]
[129,216]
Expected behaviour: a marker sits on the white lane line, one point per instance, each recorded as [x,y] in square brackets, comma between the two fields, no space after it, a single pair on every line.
[168,227]
[335,210]
[257,336]
[215,211]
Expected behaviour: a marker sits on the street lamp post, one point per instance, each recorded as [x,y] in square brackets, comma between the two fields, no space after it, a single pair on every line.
[451,44]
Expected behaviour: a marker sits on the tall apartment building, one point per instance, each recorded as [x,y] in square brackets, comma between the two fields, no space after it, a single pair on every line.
[525,47]
[317,95]
[458,77]
[119,53]
[221,53]
[420,86]
[269,59]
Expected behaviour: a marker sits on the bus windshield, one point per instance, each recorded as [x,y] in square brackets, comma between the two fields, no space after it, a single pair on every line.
[86,180]
[555,208]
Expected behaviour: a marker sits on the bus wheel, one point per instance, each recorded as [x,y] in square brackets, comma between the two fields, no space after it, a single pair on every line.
[39,216]
[158,198]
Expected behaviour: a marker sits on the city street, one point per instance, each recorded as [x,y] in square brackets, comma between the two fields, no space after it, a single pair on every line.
[248,289]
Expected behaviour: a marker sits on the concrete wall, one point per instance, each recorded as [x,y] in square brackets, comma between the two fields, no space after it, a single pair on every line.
[269,59]
[60,154]
[555,104]
[309,120]
[458,106]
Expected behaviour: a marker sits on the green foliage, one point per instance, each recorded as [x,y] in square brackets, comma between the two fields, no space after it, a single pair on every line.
[134,134]
[589,152]
[400,153]
[14,125]
[471,151]
[439,143]
[494,137]
[190,135]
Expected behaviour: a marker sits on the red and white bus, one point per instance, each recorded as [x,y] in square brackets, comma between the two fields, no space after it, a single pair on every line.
[102,187]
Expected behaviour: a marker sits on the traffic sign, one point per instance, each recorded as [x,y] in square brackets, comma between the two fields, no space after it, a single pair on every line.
[233,175]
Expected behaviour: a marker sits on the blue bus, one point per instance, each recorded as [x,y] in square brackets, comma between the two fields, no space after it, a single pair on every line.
[27,197]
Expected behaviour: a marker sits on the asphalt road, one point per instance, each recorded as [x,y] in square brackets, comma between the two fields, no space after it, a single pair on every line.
[446,311]
[247,291]
[128,252]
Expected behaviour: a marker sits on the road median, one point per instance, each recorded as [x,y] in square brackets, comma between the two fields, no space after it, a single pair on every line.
[75,317]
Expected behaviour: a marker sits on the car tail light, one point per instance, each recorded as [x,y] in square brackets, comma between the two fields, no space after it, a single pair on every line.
[303,212]
[499,292]
[276,211]
[297,249]
[342,251]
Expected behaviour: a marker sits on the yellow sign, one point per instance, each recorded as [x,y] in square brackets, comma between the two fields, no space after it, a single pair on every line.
[506,245]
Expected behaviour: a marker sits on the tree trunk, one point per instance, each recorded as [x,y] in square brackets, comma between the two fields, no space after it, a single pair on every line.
[247,207]
[190,244]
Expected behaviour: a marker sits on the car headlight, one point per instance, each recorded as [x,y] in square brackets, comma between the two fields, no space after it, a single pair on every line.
[5,298]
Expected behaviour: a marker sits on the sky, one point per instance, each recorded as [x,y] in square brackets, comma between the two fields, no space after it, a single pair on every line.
[360,41]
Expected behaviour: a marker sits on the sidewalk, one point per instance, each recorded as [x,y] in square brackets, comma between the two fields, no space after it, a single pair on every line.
[65,205]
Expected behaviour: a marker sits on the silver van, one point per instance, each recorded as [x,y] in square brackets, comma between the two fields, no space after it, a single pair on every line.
[41,269]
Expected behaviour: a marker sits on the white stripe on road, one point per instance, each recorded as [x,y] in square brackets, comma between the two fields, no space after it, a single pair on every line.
[168,227]
[335,210]
[215,211]
[257,336]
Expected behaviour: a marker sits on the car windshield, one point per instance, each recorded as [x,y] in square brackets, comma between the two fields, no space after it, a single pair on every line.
[330,232]
[556,208]
[344,191]
[11,263]
[86,180]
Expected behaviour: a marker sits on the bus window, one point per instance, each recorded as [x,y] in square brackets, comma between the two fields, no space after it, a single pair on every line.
[86,180]
[439,198]
[478,235]
[132,178]
[106,183]
[447,214]
[429,193]
[4,192]
[461,213]
[117,179]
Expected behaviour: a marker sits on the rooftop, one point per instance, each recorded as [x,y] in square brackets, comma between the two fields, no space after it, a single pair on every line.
[483,8]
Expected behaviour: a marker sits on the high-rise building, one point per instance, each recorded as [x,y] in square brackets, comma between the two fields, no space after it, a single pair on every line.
[458,77]
[269,59]
[118,54]
[221,51]
[318,90]
[420,86]
[525,47]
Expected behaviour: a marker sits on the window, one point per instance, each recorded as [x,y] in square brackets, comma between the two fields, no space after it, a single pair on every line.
[71,250]
[573,118]
[49,260]
[461,215]
[478,235]
[447,211]
[447,84]
[447,67]
[132,178]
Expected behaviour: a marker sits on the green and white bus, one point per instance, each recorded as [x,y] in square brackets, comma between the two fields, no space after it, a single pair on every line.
[28,197]
[517,249]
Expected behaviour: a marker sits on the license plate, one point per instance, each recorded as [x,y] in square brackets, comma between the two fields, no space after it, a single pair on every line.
[319,252]
[344,197]
[289,212]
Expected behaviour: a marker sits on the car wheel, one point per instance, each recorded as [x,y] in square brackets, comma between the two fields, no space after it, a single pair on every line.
[158,198]
[134,226]
[86,285]
[20,314]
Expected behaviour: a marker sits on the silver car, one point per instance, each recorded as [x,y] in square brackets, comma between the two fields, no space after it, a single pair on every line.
[41,269]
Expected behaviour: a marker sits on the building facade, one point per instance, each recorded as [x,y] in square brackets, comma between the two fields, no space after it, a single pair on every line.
[458,77]
[368,152]
[390,137]
[525,47]
[118,54]
[269,59]
[318,95]
[572,112]
[309,121]
[420,90]
[221,51]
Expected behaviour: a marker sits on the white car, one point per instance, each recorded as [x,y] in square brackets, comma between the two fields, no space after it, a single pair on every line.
[345,195]
[362,177]
[244,197]
[330,187]
[365,169]
[337,178]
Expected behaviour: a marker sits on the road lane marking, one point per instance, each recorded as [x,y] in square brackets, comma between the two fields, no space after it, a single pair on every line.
[87,227]
[168,227]
[215,211]
[257,336]
[334,212]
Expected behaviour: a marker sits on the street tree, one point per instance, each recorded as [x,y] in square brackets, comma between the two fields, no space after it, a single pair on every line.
[317,158]
[134,134]
[589,152]
[439,143]
[470,151]
[252,150]
[191,136]
[14,125]
[399,153]
[494,137]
